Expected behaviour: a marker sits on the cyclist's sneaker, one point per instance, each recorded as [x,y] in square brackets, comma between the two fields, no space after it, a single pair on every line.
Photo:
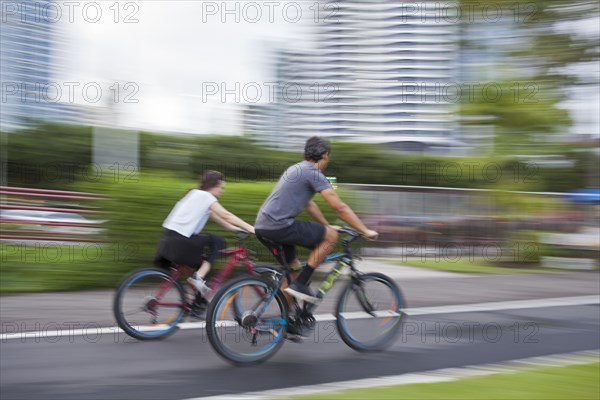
[295,333]
[302,292]
[199,306]
[199,283]
[198,312]
[200,301]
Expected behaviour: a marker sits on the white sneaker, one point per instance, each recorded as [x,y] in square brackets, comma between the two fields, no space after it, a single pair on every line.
[199,283]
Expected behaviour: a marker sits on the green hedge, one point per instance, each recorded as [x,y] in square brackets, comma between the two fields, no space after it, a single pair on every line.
[137,209]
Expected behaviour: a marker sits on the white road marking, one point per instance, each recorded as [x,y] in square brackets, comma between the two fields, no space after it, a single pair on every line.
[507,305]
[465,308]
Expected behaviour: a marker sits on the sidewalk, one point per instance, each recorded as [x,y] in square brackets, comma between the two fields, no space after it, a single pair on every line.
[420,287]
[395,271]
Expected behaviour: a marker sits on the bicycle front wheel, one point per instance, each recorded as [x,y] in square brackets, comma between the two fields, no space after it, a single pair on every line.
[369,312]
[148,304]
[246,321]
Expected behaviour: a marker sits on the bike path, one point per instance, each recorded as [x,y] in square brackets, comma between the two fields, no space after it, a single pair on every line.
[421,288]
[184,365]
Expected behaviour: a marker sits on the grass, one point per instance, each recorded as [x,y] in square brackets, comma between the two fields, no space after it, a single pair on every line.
[573,382]
[47,266]
[470,266]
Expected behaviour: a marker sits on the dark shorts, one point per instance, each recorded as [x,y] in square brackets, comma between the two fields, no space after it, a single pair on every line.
[178,249]
[300,233]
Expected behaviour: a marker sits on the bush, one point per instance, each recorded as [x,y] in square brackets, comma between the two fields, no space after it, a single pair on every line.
[136,211]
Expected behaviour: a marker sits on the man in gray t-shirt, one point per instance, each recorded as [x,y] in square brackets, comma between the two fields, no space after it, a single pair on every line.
[295,189]
[293,194]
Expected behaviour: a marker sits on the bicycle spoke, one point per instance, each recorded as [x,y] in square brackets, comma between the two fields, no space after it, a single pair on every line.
[141,309]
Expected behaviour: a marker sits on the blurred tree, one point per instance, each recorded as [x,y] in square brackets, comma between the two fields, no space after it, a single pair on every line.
[522,116]
[48,155]
[527,53]
[60,156]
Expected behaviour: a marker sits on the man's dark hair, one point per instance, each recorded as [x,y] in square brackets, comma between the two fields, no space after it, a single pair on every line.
[211,179]
[315,148]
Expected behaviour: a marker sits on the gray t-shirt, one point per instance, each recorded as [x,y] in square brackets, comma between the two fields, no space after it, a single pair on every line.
[295,189]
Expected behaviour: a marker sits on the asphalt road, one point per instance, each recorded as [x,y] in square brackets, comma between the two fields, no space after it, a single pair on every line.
[421,288]
[113,366]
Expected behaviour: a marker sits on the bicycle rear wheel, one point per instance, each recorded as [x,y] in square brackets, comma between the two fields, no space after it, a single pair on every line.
[369,312]
[148,304]
[246,322]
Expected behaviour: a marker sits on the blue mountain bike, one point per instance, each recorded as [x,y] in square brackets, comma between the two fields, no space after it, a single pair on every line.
[248,319]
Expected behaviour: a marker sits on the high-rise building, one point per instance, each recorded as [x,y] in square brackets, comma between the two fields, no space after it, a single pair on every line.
[378,72]
[28,61]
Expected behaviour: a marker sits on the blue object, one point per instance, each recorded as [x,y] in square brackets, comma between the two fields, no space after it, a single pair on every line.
[586,196]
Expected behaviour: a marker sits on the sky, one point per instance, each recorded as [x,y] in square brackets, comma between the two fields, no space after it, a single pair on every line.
[168,54]
[173,52]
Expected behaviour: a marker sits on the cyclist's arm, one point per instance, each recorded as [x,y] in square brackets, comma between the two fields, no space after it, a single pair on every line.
[220,211]
[222,222]
[315,213]
[345,212]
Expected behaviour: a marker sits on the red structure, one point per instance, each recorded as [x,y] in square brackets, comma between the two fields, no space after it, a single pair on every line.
[49,215]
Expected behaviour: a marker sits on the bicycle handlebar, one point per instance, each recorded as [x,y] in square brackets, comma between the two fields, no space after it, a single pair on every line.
[241,234]
[352,233]
[349,231]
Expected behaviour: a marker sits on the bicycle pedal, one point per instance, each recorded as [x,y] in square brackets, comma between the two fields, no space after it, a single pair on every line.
[197,314]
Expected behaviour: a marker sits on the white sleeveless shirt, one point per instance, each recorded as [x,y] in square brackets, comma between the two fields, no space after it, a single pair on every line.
[191,213]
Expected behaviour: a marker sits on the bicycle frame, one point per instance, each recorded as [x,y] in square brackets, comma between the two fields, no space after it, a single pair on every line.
[343,259]
[235,255]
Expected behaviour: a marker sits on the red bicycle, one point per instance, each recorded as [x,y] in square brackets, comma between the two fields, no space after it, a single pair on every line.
[151,301]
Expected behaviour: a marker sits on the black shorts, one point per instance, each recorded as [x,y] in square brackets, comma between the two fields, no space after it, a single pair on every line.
[300,233]
[178,249]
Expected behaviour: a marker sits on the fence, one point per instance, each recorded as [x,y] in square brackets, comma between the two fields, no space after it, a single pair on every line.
[413,214]
[50,215]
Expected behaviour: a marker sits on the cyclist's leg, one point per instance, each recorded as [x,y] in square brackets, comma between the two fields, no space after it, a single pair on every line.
[294,264]
[295,332]
[327,239]
[217,243]
[326,246]
[173,249]
[321,239]
[288,251]
[214,244]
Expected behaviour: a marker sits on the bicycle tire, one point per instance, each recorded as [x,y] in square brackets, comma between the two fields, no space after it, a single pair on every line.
[153,330]
[218,326]
[348,314]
